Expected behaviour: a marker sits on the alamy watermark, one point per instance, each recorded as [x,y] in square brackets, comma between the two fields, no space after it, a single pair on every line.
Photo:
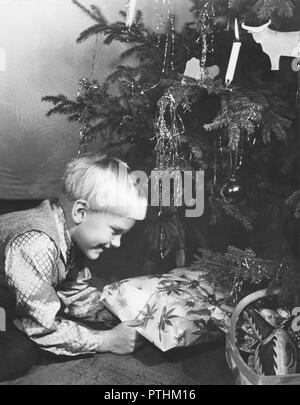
[2,320]
[168,188]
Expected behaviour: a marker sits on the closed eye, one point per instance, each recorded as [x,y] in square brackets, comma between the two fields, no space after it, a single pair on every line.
[117,230]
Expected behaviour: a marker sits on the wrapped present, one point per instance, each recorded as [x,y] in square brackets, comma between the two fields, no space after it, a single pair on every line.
[176,309]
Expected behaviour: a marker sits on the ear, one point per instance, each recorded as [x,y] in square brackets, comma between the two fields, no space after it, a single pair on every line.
[79,211]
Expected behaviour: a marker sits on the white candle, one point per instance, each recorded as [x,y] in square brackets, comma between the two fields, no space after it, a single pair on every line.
[130,13]
[232,62]
[234,54]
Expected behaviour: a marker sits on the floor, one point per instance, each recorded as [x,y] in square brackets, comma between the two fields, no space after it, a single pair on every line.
[199,365]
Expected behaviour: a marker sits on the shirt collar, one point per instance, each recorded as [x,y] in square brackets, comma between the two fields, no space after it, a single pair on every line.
[65,242]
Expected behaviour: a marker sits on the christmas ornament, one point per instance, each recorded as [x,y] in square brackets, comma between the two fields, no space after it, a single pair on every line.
[232,191]
[205,20]
[166,16]
[131,7]
[193,69]
[233,56]
[276,353]
[169,127]
[274,43]
[161,18]
[213,71]
[88,88]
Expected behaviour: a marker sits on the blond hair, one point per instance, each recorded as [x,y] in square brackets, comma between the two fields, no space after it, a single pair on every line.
[107,184]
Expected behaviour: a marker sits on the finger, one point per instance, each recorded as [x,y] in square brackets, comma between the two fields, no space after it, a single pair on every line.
[134,324]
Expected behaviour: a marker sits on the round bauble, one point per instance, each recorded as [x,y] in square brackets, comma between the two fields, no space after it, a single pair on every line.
[232,191]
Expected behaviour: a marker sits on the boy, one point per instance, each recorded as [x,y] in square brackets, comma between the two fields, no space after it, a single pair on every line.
[43,277]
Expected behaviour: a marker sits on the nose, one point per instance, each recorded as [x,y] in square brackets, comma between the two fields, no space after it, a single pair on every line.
[116,241]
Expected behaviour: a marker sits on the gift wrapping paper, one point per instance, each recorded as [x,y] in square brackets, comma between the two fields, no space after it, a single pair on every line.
[176,309]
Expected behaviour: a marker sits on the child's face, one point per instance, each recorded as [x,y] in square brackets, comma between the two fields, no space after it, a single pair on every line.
[98,231]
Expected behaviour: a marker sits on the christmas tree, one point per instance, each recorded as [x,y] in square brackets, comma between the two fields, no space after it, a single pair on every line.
[243,134]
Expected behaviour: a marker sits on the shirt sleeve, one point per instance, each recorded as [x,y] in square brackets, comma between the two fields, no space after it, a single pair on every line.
[83,301]
[31,272]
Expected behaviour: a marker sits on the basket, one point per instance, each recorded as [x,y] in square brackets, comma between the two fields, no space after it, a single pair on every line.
[243,374]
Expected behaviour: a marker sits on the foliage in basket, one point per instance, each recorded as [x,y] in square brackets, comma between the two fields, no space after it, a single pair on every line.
[242,272]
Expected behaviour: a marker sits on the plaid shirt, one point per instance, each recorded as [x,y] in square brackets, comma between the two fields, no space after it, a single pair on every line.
[45,294]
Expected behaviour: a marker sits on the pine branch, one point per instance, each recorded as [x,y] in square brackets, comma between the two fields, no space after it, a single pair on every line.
[95,14]
[93,30]
[116,31]
[63,105]
[276,118]
[266,9]
[235,264]
[237,114]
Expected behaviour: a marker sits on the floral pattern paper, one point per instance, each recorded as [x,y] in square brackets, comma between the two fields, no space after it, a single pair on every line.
[176,309]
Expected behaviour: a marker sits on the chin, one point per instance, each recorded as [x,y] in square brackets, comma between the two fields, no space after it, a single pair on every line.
[94,255]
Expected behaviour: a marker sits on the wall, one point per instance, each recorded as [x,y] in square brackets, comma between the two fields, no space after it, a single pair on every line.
[42,58]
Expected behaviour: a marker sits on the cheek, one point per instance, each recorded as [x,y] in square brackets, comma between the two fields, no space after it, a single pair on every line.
[93,236]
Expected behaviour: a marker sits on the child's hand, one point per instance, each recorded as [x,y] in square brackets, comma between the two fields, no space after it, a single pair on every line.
[122,339]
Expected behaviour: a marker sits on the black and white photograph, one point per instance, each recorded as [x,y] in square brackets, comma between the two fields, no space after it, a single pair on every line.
[149,195]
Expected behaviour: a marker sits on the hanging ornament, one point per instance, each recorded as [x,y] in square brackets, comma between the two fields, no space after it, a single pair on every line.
[169,126]
[87,89]
[131,7]
[204,20]
[163,244]
[162,17]
[166,18]
[194,71]
[274,43]
[213,71]
[233,191]
[196,68]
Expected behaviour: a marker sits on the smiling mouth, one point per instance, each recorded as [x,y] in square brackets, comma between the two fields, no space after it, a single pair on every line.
[100,249]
